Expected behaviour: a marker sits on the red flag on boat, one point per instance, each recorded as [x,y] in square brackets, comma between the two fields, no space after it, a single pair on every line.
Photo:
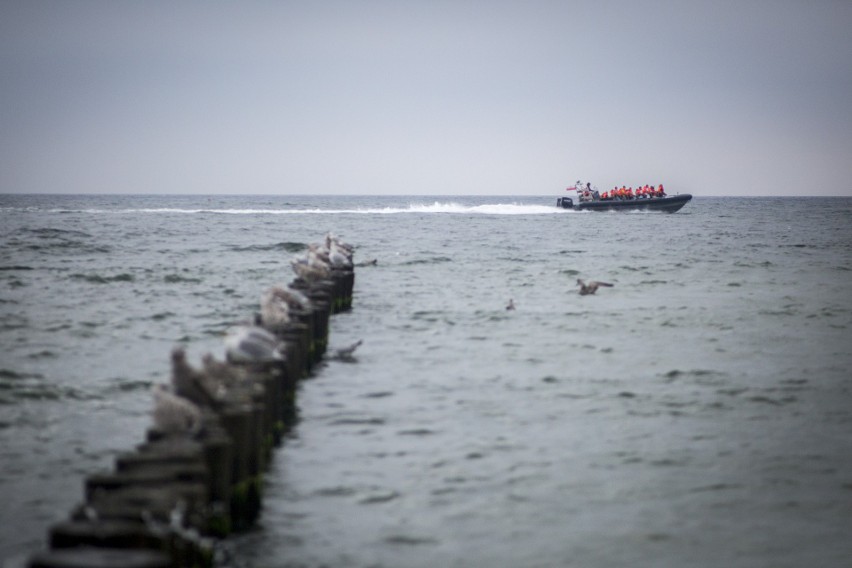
[572,188]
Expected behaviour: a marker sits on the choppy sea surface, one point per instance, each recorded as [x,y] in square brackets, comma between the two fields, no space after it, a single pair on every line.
[698,413]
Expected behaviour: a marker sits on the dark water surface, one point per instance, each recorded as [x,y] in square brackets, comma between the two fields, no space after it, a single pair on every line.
[698,413]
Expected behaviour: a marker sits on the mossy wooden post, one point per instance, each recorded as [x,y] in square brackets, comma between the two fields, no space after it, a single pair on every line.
[321,310]
[321,301]
[342,295]
[287,378]
[256,460]
[303,331]
[283,391]
[236,419]
[302,336]
[297,357]
[270,412]
[218,455]
[349,287]
[292,332]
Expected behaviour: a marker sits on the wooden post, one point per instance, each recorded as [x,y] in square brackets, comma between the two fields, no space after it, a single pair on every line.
[100,558]
[106,533]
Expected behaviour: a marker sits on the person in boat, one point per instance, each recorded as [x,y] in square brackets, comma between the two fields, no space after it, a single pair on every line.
[660,191]
[605,196]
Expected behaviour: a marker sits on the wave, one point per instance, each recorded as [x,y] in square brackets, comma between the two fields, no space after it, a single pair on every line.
[436,207]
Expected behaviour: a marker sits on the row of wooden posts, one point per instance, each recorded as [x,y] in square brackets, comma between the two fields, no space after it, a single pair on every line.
[171,499]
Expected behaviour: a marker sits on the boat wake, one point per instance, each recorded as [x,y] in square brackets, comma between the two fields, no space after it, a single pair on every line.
[436,207]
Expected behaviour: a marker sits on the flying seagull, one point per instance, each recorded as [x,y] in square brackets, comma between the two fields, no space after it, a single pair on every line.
[591,287]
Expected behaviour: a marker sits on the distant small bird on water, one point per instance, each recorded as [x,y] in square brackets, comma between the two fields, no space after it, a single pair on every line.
[347,353]
[510,305]
[591,287]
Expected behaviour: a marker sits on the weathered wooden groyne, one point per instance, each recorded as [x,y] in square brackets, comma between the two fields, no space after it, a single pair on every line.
[198,475]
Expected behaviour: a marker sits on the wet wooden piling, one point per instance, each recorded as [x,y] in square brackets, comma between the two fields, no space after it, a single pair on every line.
[167,500]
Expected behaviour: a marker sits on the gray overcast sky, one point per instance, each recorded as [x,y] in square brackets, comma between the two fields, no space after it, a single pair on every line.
[723,97]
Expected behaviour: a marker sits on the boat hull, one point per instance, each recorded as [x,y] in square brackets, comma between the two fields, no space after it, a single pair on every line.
[666,204]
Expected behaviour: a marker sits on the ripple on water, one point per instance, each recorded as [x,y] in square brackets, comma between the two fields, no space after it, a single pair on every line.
[19,386]
[43,354]
[180,279]
[101,279]
[281,246]
[430,260]
[378,394]
[417,432]
[409,540]
[357,421]
[378,497]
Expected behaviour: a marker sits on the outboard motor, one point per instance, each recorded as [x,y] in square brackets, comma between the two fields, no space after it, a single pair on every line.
[565,202]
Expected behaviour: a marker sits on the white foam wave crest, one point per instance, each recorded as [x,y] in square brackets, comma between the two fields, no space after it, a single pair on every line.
[436,207]
[486,209]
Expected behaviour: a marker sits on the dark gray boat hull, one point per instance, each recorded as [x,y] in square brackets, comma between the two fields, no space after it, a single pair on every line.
[667,204]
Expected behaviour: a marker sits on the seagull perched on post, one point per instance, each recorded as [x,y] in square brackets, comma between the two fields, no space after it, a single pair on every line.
[294,299]
[225,374]
[274,309]
[192,384]
[175,415]
[310,269]
[252,344]
[591,287]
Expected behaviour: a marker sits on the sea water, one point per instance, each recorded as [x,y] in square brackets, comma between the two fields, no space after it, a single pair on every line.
[697,413]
